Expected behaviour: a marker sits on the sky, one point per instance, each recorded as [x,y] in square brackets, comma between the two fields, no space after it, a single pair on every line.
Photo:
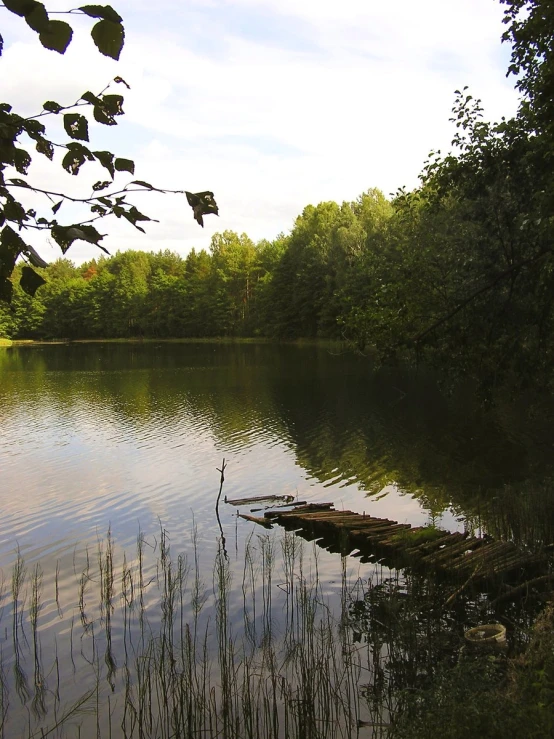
[271,104]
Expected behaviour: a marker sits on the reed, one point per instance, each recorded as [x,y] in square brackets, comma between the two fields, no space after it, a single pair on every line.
[158,653]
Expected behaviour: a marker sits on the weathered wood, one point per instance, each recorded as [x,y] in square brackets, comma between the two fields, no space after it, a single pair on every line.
[523,588]
[472,557]
[281,505]
[259,499]
[301,509]
[519,563]
[257,519]
[451,552]
[378,535]
[430,546]
[383,529]
[483,552]
[310,515]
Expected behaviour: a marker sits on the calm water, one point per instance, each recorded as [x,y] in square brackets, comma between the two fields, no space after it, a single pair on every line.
[127,438]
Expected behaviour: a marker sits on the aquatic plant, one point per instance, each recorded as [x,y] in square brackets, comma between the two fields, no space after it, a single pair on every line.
[155,652]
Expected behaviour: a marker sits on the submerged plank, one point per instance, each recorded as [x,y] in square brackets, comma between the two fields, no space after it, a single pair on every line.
[259,499]
[257,519]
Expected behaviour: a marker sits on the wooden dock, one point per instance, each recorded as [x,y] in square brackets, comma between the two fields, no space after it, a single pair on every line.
[379,539]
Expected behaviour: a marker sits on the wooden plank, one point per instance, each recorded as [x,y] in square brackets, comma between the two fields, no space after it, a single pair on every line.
[526,561]
[449,552]
[257,519]
[376,534]
[308,507]
[432,545]
[259,499]
[360,523]
[311,516]
[482,552]
[302,509]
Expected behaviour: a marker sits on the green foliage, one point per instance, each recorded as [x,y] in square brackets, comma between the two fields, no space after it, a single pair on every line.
[530,31]
[106,106]
[487,695]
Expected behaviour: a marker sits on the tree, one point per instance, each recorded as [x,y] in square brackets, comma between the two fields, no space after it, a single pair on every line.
[106,200]
[530,31]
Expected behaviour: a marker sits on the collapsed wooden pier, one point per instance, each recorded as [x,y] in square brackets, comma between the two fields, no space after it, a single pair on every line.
[463,555]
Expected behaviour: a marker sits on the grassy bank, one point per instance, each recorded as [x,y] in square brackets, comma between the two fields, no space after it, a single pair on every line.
[5,342]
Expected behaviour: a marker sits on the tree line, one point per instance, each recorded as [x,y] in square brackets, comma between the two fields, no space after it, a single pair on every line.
[294,286]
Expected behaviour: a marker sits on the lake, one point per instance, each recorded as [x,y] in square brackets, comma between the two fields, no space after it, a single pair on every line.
[104,445]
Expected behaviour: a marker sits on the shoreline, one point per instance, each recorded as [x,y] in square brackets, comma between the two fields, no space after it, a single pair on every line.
[330,343]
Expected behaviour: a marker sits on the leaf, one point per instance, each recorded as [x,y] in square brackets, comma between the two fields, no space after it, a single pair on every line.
[107,108]
[90,234]
[133,215]
[34,257]
[74,160]
[30,281]
[125,165]
[37,18]
[143,184]
[113,104]
[14,211]
[101,11]
[45,147]
[55,208]
[91,98]
[108,37]
[120,80]
[20,183]
[56,36]
[51,106]
[101,185]
[202,203]
[21,160]
[106,160]
[64,236]
[102,117]
[33,128]
[20,7]
[59,234]
[76,126]
[6,290]
[11,246]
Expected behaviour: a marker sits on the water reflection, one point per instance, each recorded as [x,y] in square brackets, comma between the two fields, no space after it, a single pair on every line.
[101,433]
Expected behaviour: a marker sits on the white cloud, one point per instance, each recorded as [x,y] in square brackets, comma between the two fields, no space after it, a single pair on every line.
[222,99]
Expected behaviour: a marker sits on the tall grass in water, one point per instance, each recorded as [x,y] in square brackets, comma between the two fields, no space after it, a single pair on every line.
[157,653]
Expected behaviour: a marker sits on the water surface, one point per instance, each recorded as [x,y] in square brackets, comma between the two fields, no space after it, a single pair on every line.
[127,438]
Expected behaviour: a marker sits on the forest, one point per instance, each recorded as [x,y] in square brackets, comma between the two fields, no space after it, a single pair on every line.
[457,273]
